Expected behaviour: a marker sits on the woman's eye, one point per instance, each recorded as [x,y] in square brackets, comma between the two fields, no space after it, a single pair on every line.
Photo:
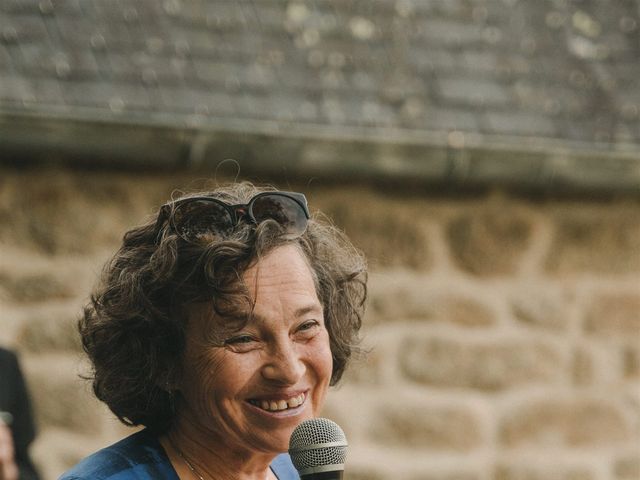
[239,340]
[306,326]
[242,343]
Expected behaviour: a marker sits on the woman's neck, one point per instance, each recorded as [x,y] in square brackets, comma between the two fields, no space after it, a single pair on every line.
[199,455]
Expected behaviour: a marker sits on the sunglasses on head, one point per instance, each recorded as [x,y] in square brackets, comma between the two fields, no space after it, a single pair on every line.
[194,216]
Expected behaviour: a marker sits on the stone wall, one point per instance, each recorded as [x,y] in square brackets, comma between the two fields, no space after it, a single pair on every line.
[503,331]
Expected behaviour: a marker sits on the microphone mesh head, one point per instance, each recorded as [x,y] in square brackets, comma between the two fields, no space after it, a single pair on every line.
[316,445]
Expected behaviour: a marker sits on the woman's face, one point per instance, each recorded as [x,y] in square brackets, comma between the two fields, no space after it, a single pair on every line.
[252,391]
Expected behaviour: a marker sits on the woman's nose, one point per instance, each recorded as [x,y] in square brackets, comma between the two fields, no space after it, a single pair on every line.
[284,364]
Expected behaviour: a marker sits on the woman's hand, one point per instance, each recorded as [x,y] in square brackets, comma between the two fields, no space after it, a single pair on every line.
[8,467]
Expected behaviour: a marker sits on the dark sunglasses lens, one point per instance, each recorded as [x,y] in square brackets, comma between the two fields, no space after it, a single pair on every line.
[193,219]
[284,210]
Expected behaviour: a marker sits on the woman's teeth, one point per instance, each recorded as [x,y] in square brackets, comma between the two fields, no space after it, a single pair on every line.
[278,405]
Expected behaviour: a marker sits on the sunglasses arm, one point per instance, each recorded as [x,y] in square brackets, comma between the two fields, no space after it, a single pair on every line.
[163,216]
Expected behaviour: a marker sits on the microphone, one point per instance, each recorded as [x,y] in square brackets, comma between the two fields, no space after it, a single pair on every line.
[318,449]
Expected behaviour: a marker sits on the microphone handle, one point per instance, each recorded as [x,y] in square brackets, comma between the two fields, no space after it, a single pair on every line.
[334,475]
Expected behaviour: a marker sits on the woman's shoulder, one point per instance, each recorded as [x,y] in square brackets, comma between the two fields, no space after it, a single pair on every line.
[139,456]
[283,468]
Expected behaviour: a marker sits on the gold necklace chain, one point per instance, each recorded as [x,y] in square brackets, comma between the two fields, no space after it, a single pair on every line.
[193,469]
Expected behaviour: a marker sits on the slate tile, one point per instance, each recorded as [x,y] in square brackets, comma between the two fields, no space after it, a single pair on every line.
[355,111]
[359,56]
[5,59]
[115,35]
[73,31]
[448,33]
[427,60]
[70,8]
[579,129]
[126,11]
[30,92]
[481,66]
[477,61]
[629,98]
[217,73]
[456,9]
[238,15]
[89,93]
[626,73]
[19,6]
[14,87]
[251,105]
[185,99]
[40,7]
[472,92]
[199,42]
[24,29]
[519,123]
[541,68]
[143,67]
[291,78]
[117,97]
[32,56]
[39,59]
[550,99]
[245,76]
[292,108]
[449,119]
[47,90]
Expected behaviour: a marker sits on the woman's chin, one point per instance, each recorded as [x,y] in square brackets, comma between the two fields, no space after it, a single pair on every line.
[278,425]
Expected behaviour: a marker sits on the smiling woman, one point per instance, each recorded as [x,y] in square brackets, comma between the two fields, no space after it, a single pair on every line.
[269,376]
[219,326]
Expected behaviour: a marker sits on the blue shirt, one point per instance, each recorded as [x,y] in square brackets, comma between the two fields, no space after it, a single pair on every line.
[141,457]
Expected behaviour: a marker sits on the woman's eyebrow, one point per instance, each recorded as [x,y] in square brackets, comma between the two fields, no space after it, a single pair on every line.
[239,319]
[233,321]
[300,312]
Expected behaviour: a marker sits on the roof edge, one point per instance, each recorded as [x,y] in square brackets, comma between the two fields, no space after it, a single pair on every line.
[271,149]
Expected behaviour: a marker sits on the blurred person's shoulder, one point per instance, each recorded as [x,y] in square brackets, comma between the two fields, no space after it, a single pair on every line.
[9,377]
[7,357]
[138,456]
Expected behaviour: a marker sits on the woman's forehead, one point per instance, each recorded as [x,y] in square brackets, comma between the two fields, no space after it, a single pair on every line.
[280,267]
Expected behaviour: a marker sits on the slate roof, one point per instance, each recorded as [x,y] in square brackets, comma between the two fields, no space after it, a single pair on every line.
[557,71]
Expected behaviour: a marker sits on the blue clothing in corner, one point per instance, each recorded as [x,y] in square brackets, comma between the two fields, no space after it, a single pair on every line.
[141,457]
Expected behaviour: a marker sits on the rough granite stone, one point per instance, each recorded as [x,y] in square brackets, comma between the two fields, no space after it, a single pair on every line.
[486,365]
[410,302]
[489,242]
[576,423]
[388,236]
[427,428]
[627,468]
[613,232]
[54,381]
[521,375]
[614,315]
[545,308]
[631,361]
[36,287]
[541,472]
[51,329]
